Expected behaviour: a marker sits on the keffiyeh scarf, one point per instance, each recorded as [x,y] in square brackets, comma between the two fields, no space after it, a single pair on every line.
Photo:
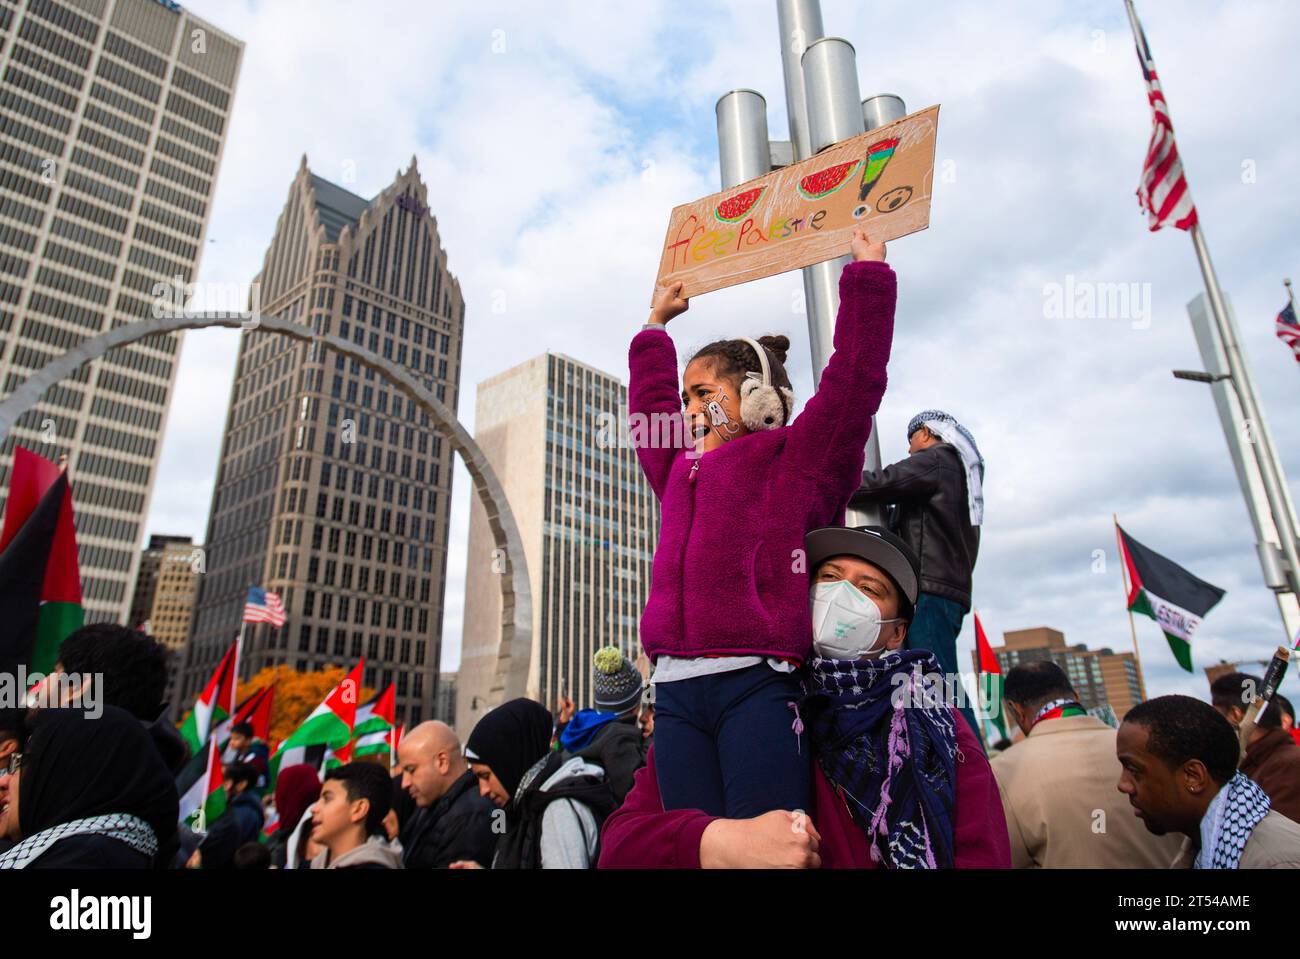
[135,832]
[887,742]
[1232,817]
[947,428]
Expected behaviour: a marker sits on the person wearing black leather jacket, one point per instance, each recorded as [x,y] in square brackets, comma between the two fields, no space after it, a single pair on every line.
[936,500]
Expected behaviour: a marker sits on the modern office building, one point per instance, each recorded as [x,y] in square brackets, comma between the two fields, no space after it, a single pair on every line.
[113,118]
[164,589]
[1101,677]
[589,522]
[333,489]
[445,708]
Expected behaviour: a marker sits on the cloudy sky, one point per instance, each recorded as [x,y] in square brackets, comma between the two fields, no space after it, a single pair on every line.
[555,139]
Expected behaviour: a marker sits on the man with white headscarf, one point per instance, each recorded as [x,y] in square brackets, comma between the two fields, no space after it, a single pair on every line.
[937,506]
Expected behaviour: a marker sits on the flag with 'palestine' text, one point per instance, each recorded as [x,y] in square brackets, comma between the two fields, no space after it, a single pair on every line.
[1169,594]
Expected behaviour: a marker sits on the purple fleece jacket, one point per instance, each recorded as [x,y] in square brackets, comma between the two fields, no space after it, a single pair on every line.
[729,577]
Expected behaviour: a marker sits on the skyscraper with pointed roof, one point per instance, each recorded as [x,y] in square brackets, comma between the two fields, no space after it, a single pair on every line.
[333,489]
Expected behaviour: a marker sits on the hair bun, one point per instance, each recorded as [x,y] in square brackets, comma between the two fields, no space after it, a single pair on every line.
[776,344]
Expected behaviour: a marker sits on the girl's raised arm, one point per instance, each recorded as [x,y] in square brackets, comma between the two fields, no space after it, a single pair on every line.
[829,437]
[654,398]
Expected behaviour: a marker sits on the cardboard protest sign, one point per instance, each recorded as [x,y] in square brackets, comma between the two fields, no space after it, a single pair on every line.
[805,213]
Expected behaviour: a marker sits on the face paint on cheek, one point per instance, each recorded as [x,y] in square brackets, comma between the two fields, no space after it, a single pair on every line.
[719,419]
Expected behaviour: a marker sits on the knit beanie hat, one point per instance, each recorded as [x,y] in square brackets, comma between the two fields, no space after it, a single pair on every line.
[617,683]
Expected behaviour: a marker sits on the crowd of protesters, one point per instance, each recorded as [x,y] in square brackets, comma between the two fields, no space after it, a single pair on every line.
[791,719]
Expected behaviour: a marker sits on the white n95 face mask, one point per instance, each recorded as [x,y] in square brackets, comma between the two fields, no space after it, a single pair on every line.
[846,624]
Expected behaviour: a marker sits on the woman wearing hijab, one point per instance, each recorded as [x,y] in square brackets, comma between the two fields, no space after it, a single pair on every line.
[554,804]
[92,794]
[296,788]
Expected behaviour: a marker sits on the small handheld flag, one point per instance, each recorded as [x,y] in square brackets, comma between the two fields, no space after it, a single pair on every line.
[990,679]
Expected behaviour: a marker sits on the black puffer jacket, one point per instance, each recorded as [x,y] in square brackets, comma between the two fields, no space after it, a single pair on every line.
[458,826]
[928,491]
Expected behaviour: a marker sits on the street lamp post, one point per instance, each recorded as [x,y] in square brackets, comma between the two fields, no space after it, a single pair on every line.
[824,107]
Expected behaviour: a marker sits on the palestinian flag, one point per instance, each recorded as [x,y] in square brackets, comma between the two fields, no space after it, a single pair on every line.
[256,711]
[330,723]
[338,757]
[40,580]
[378,715]
[206,799]
[1173,597]
[990,680]
[378,743]
[215,703]
[271,828]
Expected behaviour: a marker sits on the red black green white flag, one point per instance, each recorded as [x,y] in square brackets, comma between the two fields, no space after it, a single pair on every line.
[330,724]
[990,680]
[204,801]
[1160,588]
[215,704]
[377,715]
[256,711]
[40,580]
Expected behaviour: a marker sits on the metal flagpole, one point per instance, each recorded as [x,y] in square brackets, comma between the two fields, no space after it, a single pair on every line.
[1128,588]
[1239,376]
[823,106]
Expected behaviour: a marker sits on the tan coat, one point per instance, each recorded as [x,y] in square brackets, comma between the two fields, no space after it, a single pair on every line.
[1063,809]
[1273,844]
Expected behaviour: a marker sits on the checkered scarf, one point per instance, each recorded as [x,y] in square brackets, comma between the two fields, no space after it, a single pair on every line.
[135,832]
[946,427]
[887,742]
[1228,823]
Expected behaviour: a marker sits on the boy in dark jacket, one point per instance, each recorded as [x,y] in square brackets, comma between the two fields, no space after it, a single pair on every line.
[239,824]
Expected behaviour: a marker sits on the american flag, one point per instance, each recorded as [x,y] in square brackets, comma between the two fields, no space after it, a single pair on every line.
[1288,330]
[263,606]
[1163,192]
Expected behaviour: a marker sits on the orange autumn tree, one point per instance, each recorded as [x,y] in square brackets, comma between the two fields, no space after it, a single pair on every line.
[296,694]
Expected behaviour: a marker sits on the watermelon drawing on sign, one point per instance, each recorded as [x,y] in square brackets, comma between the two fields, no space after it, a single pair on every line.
[878,156]
[825,182]
[737,207]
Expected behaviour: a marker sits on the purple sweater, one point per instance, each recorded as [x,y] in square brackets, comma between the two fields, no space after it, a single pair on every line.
[739,527]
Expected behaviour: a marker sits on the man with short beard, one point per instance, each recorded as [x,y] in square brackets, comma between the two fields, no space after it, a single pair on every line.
[452,821]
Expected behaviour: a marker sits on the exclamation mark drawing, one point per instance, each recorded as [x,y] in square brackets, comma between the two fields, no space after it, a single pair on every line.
[878,156]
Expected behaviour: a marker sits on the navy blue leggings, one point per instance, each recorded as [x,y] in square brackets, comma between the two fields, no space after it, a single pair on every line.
[725,744]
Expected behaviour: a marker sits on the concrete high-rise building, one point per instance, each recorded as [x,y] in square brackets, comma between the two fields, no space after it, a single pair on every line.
[445,708]
[1101,677]
[113,117]
[146,579]
[333,489]
[589,522]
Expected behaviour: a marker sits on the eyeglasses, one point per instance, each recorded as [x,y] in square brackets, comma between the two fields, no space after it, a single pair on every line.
[15,763]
